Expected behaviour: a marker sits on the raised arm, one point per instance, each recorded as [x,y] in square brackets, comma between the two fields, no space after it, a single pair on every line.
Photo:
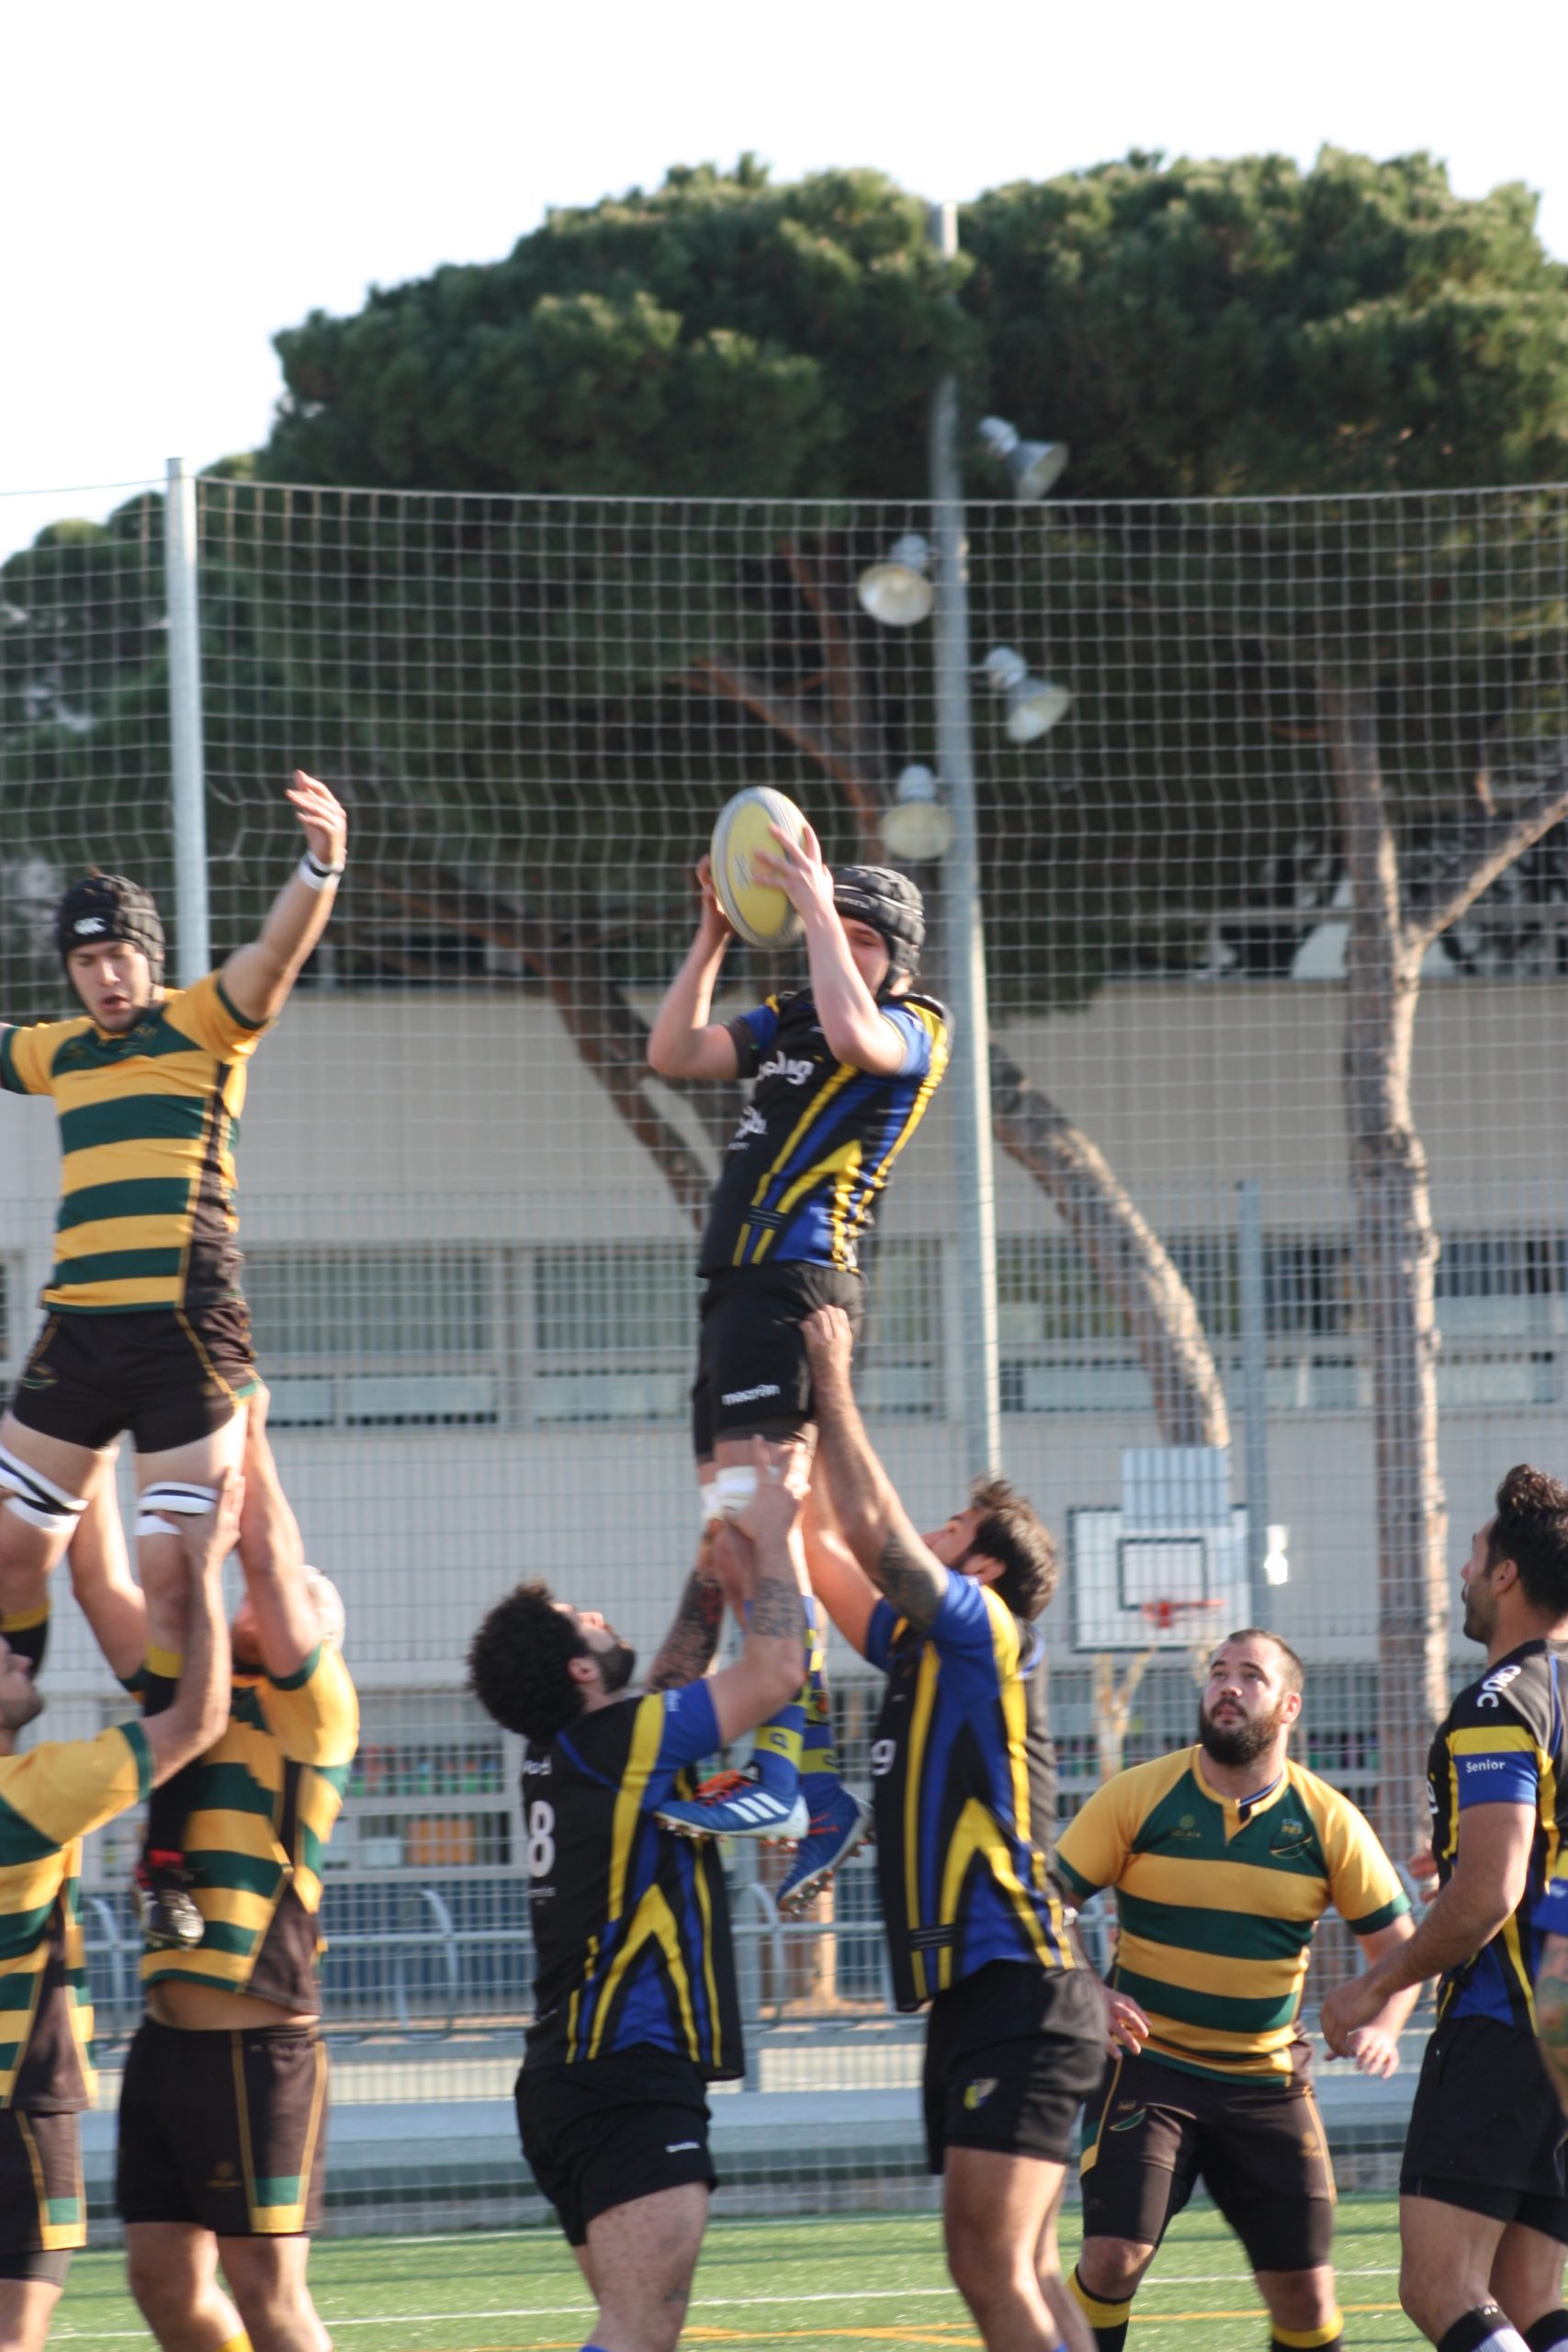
[200,1707]
[282,1607]
[876,1527]
[687,1650]
[769,1560]
[257,978]
[683,1042]
[853,1022]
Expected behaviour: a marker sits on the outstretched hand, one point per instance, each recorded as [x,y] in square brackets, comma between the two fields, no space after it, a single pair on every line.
[830,1344]
[322,815]
[783,1476]
[797,868]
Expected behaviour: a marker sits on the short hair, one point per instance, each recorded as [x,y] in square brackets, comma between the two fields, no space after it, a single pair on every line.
[519,1664]
[1293,1673]
[331,1619]
[1532,1530]
[1011,1531]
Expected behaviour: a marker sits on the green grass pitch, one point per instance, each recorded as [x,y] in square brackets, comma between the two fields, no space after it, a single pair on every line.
[833,2285]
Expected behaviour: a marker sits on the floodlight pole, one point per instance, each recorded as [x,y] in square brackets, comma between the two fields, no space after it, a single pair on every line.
[976,1166]
[192,958]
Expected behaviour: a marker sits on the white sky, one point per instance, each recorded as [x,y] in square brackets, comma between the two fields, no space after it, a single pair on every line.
[181,181]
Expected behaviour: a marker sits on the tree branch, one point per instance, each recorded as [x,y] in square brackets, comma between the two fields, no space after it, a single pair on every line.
[610,1038]
[794,719]
[1495,846]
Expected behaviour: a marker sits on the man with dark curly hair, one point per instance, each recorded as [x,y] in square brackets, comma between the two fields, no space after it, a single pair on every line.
[1484,2200]
[637,2008]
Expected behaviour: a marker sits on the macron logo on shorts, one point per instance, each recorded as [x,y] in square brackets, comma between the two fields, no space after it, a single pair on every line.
[751,1396]
[681,2147]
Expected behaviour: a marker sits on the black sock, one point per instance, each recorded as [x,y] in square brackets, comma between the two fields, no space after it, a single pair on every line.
[1487,2328]
[164,1843]
[27,1633]
[1108,2320]
[1544,2335]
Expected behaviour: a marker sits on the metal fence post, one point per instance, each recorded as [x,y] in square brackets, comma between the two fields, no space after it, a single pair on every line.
[972,1041]
[1254,1378]
[193,941]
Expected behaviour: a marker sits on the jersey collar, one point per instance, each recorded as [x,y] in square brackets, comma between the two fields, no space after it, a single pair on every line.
[1239,1811]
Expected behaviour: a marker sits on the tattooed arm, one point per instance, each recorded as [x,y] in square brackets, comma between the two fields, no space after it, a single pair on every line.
[687,1650]
[769,1563]
[1551,2013]
[875,1525]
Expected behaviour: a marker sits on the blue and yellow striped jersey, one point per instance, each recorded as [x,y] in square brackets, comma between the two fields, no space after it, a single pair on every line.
[817,1140]
[963,1791]
[50,1799]
[1218,1901]
[631,1925]
[148,1124]
[1502,1742]
[266,1798]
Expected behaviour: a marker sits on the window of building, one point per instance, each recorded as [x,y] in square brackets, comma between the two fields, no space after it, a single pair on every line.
[358,1338]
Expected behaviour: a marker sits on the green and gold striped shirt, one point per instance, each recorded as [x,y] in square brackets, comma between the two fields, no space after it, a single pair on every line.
[50,1799]
[1218,1901]
[148,1124]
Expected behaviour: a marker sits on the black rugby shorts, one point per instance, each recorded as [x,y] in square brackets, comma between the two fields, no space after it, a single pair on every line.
[1012,2053]
[1486,2133]
[171,1376]
[608,2130]
[753,1370]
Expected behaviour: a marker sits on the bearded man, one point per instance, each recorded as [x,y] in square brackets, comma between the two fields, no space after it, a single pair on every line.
[1223,1857]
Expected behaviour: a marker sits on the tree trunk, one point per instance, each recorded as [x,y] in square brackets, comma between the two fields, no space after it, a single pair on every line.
[1395,1254]
[1126,1251]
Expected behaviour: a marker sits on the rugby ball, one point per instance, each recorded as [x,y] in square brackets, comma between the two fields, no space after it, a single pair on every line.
[759,912]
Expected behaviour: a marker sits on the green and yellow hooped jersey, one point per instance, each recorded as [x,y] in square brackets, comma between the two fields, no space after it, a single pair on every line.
[147,1126]
[1217,1901]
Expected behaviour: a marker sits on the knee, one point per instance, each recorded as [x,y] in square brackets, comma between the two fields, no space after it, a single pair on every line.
[1111,2267]
[164,2296]
[1299,2300]
[280,2317]
[990,2277]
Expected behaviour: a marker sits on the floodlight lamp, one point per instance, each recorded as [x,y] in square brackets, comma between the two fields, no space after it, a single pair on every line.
[1034,705]
[916,827]
[1276,1559]
[1034,465]
[896,592]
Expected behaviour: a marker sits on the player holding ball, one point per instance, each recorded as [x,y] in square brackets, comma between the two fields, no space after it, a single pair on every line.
[845,1069]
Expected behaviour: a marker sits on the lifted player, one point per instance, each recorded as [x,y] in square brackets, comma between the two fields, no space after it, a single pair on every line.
[147,1329]
[844,1070]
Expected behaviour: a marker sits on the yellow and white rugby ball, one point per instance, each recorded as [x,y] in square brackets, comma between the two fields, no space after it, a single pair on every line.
[760,914]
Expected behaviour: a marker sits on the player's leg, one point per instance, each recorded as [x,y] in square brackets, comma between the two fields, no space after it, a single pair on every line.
[1139,2167]
[268,2281]
[998,2215]
[1264,2156]
[171,2267]
[172,1484]
[27,2306]
[840,1822]
[1012,2053]
[640,2259]
[1526,2272]
[763,1801]
[45,1485]
[43,2220]
[1445,2275]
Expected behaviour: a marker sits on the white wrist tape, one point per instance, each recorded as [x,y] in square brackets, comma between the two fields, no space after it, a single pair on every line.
[314,875]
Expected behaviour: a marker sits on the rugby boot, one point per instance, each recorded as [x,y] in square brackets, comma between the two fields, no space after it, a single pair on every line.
[840,1826]
[733,1804]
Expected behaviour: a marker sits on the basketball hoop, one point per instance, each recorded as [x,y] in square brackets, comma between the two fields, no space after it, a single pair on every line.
[1192,1619]
[1167,1615]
